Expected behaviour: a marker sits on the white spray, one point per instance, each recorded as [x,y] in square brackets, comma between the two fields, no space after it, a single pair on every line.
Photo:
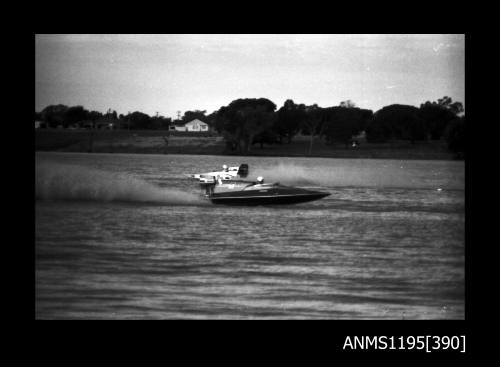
[70,182]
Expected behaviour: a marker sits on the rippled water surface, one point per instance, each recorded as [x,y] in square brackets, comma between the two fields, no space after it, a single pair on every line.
[128,236]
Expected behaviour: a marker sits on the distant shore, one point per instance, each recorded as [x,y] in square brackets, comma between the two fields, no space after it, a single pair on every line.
[165,142]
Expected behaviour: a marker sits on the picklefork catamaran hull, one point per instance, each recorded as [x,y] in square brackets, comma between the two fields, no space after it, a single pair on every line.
[251,193]
[225,187]
[267,200]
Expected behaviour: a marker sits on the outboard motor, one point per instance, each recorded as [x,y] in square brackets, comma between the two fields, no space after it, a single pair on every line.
[243,170]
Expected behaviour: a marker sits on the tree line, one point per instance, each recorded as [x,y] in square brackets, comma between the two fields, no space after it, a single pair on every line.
[245,122]
[249,121]
[67,116]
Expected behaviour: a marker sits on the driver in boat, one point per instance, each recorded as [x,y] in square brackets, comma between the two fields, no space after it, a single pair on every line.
[226,175]
[260,180]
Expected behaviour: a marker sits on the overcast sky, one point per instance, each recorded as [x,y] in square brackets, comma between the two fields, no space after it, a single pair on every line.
[170,73]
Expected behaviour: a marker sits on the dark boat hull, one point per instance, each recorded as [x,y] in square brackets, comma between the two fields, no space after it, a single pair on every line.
[272,199]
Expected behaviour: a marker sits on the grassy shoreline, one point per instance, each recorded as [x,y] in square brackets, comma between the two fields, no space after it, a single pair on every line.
[164,142]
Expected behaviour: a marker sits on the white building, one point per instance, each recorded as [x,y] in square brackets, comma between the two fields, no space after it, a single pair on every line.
[177,127]
[196,125]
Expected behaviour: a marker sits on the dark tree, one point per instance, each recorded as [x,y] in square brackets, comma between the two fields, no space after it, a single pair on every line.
[74,115]
[53,115]
[242,120]
[95,116]
[192,115]
[289,120]
[210,119]
[437,115]
[455,107]
[342,122]
[455,136]
[160,123]
[266,137]
[347,104]
[312,125]
[139,120]
[396,122]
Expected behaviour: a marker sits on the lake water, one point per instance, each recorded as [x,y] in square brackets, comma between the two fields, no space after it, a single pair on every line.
[128,236]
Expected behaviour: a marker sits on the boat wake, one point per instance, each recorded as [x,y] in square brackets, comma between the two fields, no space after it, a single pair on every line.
[71,182]
[331,176]
[289,174]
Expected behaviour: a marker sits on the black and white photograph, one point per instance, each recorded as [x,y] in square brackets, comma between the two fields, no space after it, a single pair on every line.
[249,176]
